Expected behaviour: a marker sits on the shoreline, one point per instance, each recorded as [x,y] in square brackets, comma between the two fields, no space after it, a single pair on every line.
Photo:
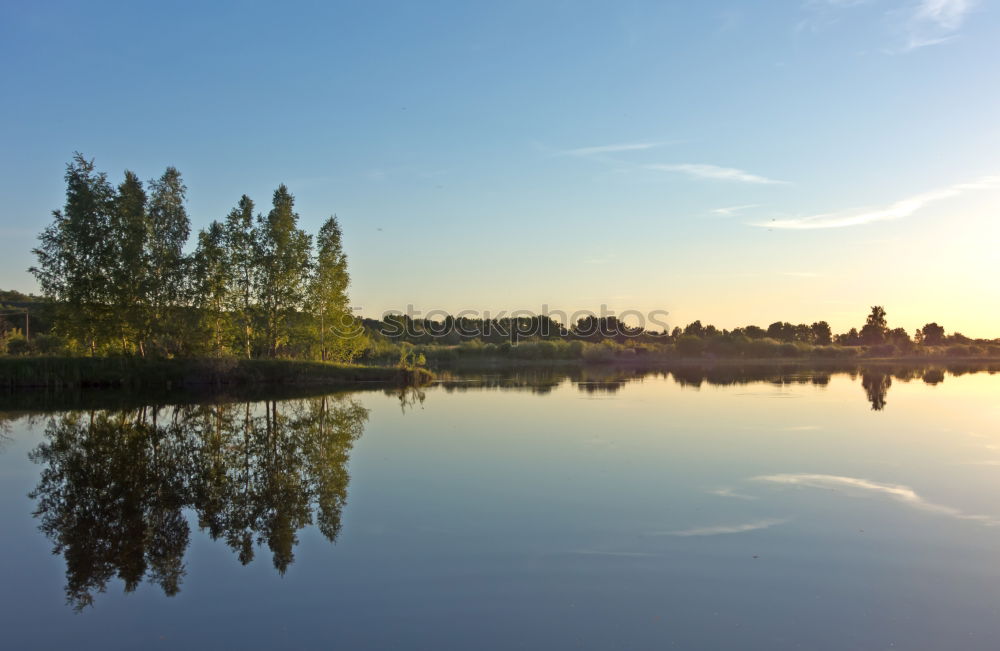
[213,374]
[201,373]
[696,362]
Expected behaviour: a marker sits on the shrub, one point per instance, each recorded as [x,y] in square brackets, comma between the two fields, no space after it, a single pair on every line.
[18,345]
[689,346]
[574,350]
[724,347]
[48,344]
[881,350]
[788,350]
[762,348]
[957,350]
[603,352]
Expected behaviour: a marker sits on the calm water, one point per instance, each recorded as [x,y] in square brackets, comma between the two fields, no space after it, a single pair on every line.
[744,511]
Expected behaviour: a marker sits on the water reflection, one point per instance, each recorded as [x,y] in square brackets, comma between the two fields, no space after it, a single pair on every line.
[876,385]
[115,485]
[122,484]
[875,379]
[409,397]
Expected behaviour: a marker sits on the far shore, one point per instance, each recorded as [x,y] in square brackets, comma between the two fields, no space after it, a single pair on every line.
[678,362]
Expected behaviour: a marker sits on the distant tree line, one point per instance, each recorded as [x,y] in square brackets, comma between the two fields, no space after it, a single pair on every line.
[114,265]
[453,330]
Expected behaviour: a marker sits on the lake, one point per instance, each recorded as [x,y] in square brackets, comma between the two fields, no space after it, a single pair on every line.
[601,509]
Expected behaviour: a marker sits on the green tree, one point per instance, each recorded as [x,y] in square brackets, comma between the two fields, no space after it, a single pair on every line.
[694,329]
[875,328]
[328,293]
[169,228]
[803,333]
[821,333]
[283,269]
[129,281]
[900,338]
[781,331]
[932,335]
[210,275]
[76,255]
[243,253]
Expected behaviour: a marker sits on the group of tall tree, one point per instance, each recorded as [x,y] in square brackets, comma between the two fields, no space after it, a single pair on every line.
[876,331]
[256,285]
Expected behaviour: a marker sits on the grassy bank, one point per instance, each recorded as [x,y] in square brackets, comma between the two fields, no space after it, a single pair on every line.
[138,373]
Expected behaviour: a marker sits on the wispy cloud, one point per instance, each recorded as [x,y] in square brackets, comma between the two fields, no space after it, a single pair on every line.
[898,210]
[898,492]
[732,210]
[725,529]
[598,552]
[920,22]
[730,493]
[609,149]
[714,172]
[936,21]
[822,14]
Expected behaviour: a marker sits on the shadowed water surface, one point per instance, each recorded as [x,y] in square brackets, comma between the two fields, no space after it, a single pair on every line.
[579,509]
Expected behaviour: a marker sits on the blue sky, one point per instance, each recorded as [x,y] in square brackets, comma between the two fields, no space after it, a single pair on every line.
[727,161]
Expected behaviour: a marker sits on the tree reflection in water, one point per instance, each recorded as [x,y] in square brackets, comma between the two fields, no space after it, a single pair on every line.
[876,385]
[116,484]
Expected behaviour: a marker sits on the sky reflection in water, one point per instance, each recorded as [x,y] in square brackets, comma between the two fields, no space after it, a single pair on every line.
[602,510]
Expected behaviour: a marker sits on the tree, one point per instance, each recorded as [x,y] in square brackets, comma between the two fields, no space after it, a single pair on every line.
[781,331]
[328,289]
[932,335]
[821,333]
[875,329]
[283,268]
[76,255]
[694,329]
[243,255]
[850,338]
[129,282]
[900,338]
[210,274]
[169,228]
[959,338]
[803,333]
